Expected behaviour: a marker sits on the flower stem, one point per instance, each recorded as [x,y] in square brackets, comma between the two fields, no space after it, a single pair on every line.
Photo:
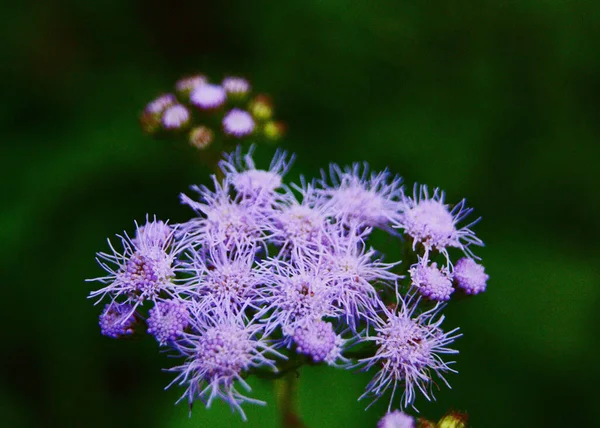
[285,389]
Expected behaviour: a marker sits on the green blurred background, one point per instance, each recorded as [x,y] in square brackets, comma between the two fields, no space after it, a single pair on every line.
[494,101]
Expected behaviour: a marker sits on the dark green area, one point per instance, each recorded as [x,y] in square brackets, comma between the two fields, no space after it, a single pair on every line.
[494,101]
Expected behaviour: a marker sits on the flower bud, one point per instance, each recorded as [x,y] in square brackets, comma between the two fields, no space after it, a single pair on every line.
[261,108]
[274,130]
[186,85]
[201,137]
[454,419]
[175,117]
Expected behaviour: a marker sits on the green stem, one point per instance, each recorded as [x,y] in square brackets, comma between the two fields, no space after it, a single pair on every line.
[286,389]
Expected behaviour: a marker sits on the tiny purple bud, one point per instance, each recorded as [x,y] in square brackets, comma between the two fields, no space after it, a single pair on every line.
[208,96]
[167,320]
[160,104]
[470,276]
[316,339]
[433,283]
[396,419]
[238,123]
[188,84]
[236,86]
[117,320]
[175,117]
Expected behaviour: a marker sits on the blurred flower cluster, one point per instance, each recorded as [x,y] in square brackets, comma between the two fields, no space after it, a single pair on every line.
[268,276]
[208,113]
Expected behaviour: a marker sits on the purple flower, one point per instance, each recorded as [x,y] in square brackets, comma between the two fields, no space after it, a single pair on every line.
[373,199]
[208,96]
[298,290]
[225,277]
[221,348]
[251,183]
[432,283]
[175,116]
[236,85]
[316,339]
[223,220]
[117,320]
[408,354]
[153,234]
[298,225]
[190,83]
[396,419]
[144,269]
[430,222]
[159,105]
[238,123]
[167,320]
[470,276]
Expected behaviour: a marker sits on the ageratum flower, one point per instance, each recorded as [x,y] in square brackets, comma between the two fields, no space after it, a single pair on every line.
[223,219]
[117,320]
[396,419]
[236,85]
[409,346]
[430,222]
[159,105]
[354,269]
[208,96]
[298,225]
[175,117]
[238,123]
[255,184]
[432,282]
[470,276]
[167,320]
[224,277]
[221,348]
[317,339]
[296,290]
[371,198]
[144,270]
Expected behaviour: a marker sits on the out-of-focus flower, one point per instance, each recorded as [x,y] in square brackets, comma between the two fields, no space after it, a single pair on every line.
[208,96]
[238,123]
[175,117]
[470,276]
[396,419]
[201,137]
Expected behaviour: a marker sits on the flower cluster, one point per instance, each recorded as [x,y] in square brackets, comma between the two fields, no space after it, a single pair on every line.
[207,111]
[268,276]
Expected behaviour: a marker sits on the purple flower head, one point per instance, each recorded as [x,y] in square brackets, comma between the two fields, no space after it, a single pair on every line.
[317,339]
[354,268]
[298,290]
[167,320]
[236,85]
[433,283]
[238,123]
[159,105]
[154,233]
[251,183]
[117,320]
[373,199]
[175,116]
[222,347]
[190,83]
[408,354]
[299,225]
[223,220]
[143,270]
[429,221]
[470,276]
[208,96]
[396,419]
[225,277]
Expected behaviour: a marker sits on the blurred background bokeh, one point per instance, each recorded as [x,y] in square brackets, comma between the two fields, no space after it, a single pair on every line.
[494,101]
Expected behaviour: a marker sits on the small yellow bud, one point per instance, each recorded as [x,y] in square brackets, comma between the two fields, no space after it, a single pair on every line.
[453,420]
[261,108]
[201,137]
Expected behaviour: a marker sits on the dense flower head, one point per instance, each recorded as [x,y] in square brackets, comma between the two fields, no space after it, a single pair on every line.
[167,320]
[267,271]
[396,419]
[238,123]
[221,348]
[187,84]
[208,96]
[470,276]
[430,222]
[236,85]
[372,198]
[408,354]
[117,320]
[317,339]
[432,282]
[158,105]
[175,116]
